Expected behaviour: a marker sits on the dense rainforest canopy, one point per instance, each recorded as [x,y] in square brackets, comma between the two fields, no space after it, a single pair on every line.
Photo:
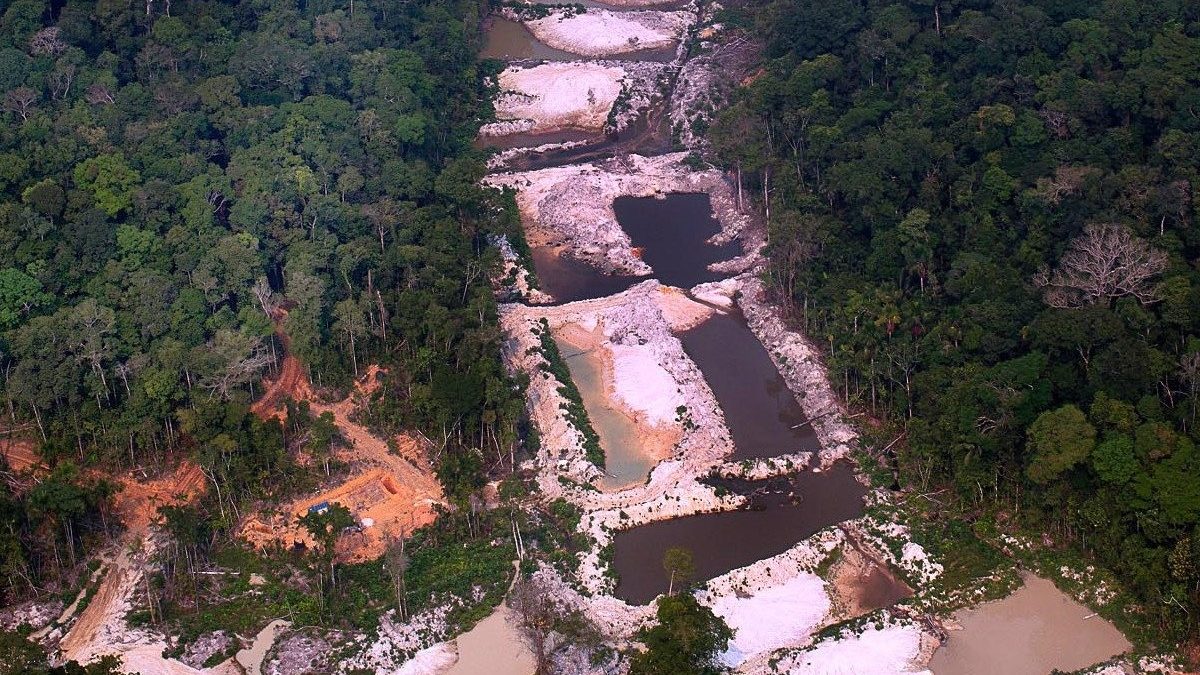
[986,213]
[184,182]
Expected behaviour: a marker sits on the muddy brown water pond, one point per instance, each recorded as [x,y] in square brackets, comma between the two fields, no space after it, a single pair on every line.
[1034,631]
[511,41]
[761,412]
[781,516]
[673,233]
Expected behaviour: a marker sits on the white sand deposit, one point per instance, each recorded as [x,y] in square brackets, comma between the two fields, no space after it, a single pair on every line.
[892,650]
[600,32]
[555,96]
[643,385]
[774,617]
[651,376]
[433,660]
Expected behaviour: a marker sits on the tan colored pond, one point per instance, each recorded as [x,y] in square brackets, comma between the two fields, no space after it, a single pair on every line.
[627,461]
[492,648]
[1035,630]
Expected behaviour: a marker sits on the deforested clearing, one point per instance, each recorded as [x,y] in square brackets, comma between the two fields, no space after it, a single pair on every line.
[603,33]
[555,96]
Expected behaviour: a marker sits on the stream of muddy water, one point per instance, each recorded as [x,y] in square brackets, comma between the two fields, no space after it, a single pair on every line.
[720,542]
[760,410]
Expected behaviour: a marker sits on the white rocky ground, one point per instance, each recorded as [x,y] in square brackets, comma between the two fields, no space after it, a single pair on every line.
[585,96]
[897,648]
[573,206]
[555,97]
[636,326]
[600,33]
[515,282]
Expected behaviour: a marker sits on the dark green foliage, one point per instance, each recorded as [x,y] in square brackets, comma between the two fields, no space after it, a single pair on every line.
[169,184]
[930,167]
[688,638]
[575,412]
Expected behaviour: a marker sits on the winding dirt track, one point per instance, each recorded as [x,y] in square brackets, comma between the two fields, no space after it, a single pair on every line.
[397,491]
[101,626]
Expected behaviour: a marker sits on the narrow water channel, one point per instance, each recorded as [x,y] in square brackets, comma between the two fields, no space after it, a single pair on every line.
[761,412]
[721,542]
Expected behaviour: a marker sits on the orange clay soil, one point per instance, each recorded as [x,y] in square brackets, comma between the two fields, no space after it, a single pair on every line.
[20,453]
[398,491]
[139,499]
[137,504]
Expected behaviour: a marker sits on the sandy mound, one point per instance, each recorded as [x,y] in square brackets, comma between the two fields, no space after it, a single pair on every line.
[599,32]
[553,97]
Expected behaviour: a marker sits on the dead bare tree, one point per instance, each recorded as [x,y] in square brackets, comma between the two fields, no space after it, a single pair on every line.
[98,94]
[235,359]
[544,624]
[265,296]
[396,563]
[1105,263]
[20,101]
[1189,370]
[47,41]
[1067,181]
[61,79]
[535,612]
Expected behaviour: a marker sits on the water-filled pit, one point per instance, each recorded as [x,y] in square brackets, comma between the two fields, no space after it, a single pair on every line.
[627,461]
[724,541]
[1036,630]
[568,279]
[760,410]
[509,40]
[673,234]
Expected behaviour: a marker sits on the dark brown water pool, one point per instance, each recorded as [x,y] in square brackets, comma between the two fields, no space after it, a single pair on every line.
[673,233]
[762,414]
[568,279]
[720,542]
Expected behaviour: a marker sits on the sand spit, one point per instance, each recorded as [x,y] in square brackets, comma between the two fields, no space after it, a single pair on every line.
[600,33]
[572,206]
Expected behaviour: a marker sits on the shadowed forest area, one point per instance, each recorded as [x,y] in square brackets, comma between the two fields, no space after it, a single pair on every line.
[985,213]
